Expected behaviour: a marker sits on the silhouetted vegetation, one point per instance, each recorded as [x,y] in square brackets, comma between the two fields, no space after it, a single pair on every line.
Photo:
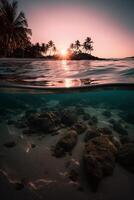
[78,51]
[86,47]
[14,31]
[15,38]
[37,51]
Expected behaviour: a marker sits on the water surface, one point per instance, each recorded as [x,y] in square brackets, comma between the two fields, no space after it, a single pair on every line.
[65,73]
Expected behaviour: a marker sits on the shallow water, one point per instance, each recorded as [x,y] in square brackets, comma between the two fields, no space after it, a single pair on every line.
[31,161]
[65,73]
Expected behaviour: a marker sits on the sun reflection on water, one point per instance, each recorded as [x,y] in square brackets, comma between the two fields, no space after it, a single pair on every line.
[65,66]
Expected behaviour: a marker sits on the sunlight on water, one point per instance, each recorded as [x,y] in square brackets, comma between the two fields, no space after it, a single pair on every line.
[65,73]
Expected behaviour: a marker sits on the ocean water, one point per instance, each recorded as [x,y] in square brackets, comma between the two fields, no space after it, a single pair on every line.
[40,102]
[65,73]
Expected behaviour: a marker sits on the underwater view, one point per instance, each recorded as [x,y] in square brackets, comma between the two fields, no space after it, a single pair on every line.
[66,100]
[67,133]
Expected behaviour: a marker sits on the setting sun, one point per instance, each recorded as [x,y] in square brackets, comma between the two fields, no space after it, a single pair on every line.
[63,52]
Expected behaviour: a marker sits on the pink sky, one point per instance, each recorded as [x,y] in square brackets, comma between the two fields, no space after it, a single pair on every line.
[64,25]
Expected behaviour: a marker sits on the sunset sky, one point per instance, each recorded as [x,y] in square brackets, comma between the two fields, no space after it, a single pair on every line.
[110,23]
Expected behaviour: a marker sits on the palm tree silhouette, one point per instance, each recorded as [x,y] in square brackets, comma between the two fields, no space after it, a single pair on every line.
[87,45]
[54,50]
[50,46]
[14,31]
[77,46]
[44,48]
[72,46]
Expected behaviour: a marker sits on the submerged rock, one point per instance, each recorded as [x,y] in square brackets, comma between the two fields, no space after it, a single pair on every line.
[80,127]
[90,134]
[73,170]
[115,141]
[65,144]
[68,117]
[10,144]
[105,131]
[126,156]
[99,159]
[44,122]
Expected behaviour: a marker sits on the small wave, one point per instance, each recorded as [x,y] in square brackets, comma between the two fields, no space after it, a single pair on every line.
[64,74]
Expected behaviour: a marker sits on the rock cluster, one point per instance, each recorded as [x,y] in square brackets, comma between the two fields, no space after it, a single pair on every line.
[65,143]
[44,122]
[99,158]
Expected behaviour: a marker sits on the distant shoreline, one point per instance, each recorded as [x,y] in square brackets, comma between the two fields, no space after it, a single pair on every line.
[80,56]
[54,58]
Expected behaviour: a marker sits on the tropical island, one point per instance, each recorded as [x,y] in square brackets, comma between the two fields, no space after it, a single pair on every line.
[15,39]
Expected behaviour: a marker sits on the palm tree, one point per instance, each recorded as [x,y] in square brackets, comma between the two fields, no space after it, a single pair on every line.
[87,45]
[44,48]
[54,50]
[77,46]
[50,46]
[38,49]
[71,49]
[14,31]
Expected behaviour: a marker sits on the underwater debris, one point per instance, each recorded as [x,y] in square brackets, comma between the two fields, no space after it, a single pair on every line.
[99,159]
[65,144]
